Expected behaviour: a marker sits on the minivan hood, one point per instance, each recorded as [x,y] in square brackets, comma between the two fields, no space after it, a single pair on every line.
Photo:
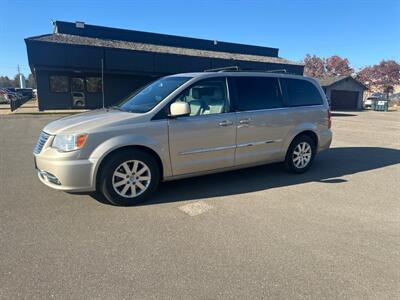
[88,121]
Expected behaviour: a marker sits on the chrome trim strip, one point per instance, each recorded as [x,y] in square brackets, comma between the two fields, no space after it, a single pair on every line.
[49,177]
[258,143]
[281,108]
[207,150]
[229,147]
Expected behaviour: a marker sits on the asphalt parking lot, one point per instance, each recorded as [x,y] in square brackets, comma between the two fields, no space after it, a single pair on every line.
[255,233]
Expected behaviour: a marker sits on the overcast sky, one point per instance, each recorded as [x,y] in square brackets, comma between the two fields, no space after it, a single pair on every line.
[363,31]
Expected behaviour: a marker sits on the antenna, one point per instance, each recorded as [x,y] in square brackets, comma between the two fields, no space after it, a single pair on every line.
[102,80]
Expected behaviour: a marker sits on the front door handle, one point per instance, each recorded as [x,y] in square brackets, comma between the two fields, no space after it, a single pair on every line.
[245,121]
[225,123]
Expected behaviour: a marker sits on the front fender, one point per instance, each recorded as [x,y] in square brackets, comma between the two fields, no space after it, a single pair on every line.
[160,147]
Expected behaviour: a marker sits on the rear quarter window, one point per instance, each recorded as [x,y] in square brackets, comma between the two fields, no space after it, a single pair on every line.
[301,92]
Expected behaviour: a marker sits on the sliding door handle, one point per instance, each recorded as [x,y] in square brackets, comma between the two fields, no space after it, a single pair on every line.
[225,123]
[245,121]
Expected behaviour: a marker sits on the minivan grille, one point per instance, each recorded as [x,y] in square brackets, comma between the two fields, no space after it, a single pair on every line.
[43,137]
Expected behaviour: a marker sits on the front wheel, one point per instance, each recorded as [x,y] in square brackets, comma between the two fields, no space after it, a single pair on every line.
[300,155]
[129,177]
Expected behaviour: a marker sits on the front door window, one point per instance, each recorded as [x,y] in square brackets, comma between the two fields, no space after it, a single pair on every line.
[207,97]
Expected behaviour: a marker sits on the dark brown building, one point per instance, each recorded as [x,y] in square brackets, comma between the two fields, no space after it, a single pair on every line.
[68,63]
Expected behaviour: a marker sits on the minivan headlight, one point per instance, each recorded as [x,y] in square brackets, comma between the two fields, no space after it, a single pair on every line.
[69,142]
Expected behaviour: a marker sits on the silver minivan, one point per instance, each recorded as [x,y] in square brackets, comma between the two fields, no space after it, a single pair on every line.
[186,125]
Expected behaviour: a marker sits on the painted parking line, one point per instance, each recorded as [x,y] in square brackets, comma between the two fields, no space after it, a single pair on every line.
[195,208]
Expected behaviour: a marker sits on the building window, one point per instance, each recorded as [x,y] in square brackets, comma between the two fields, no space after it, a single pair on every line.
[77,85]
[93,85]
[59,84]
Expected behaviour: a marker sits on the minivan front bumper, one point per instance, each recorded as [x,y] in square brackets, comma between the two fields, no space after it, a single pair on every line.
[66,175]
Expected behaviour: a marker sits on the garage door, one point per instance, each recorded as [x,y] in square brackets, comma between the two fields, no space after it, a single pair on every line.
[344,100]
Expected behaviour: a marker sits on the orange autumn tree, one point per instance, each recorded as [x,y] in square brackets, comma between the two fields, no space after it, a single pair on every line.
[332,66]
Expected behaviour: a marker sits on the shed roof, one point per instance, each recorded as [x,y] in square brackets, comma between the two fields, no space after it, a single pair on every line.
[119,44]
[329,81]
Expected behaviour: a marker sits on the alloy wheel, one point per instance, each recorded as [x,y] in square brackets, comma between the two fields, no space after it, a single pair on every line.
[131,178]
[302,155]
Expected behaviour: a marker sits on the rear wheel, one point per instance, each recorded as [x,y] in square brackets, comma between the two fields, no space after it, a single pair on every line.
[300,155]
[129,177]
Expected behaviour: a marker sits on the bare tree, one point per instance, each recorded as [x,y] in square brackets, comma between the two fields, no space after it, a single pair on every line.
[31,82]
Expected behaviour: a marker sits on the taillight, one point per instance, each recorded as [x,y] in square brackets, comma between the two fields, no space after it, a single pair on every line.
[329,119]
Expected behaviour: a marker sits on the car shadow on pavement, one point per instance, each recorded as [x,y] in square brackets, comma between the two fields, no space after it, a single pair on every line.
[329,167]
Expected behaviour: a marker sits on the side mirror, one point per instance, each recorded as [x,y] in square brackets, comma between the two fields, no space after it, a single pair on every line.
[179,109]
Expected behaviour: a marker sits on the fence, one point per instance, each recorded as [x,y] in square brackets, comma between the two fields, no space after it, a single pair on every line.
[16,103]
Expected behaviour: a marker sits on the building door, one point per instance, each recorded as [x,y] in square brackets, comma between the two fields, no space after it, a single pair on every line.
[78,92]
[344,100]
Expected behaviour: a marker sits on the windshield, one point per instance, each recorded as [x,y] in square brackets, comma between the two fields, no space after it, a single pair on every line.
[147,98]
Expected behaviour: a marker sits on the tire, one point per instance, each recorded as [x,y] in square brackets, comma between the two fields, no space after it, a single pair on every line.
[121,185]
[300,155]
[78,104]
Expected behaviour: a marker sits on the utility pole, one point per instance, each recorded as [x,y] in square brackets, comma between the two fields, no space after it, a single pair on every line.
[22,83]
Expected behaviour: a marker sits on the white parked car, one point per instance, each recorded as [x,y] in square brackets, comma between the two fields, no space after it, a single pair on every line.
[371,99]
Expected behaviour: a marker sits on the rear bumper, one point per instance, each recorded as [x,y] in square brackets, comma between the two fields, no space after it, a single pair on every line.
[66,175]
[325,140]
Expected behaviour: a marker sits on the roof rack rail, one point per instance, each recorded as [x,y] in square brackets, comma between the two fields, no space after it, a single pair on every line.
[275,71]
[265,71]
[237,69]
[231,68]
